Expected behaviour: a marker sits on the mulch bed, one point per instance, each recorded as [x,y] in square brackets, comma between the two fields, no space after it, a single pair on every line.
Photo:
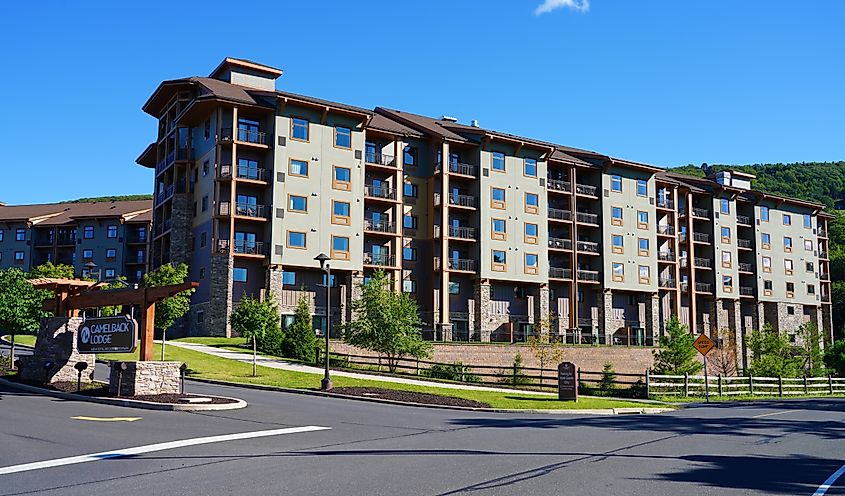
[408,396]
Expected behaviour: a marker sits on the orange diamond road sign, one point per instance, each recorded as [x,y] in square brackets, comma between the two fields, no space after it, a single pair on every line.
[703,344]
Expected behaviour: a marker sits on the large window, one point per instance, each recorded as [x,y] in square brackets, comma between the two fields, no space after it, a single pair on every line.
[530,167]
[642,219]
[340,247]
[298,168]
[499,161]
[20,234]
[497,198]
[342,137]
[297,203]
[111,253]
[645,274]
[766,240]
[296,239]
[409,222]
[787,244]
[239,274]
[248,131]
[531,263]
[616,183]
[764,214]
[341,179]
[409,286]
[787,220]
[726,235]
[727,284]
[87,254]
[616,216]
[808,221]
[248,169]
[531,233]
[642,187]
[726,259]
[499,229]
[787,267]
[409,156]
[410,190]
[725,206]
[87,232]
[767,264]
[340,213]
[618,272]
[409,253]
[454,287]
[617,242]
[299,128]
[643,248]
[289,278]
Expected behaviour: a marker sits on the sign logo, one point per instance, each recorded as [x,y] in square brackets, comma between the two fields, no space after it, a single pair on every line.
[85,335]
[703,344]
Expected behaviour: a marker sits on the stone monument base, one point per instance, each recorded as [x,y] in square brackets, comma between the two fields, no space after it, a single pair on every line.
[56,343]
[144,378]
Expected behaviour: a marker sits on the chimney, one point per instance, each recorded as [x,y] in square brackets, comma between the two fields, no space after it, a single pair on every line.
[474,123]
[449,118]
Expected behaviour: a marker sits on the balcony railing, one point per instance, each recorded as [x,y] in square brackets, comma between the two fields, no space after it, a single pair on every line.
[826,298]
[380,226]
[745,267]
[588,246]
[701,237]
[558,185]
[700,212]
[666,256]
[560,243]
[743,219]
[585,189]
[379,191]
[380,159]
[461,168]
[244,135]
[667,282]
[462,232]
[71,240]
[559,214]
[244,247]
[666,203]
[684,261]
[243,172]
[136,259]
[381,259]
[743,243]
[666,229]
[746,291]
[560,273]
[824,276]
[466,264]
[704,287]
[823,255]
[587,218]
[822,233]
[244,210]
[703,262]
[462,200]
[588,275]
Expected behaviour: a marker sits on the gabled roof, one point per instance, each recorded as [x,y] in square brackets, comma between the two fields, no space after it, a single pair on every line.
[382,123]
[323,103]
[247,64]
[56,214]
[429,126]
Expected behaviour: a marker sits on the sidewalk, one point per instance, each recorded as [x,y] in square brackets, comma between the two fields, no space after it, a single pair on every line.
[276,363]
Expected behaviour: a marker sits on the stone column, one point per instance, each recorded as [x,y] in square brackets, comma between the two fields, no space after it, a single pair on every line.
[471,322]
[739,333]
[761,315]
[56,343]
[181,229]
[482,310]
[606,316]
[542,312]
[653,316]
[722,316]
[220,296]
[357,282]
[274,282]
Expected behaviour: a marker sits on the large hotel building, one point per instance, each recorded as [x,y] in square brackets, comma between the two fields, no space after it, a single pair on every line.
[495,235]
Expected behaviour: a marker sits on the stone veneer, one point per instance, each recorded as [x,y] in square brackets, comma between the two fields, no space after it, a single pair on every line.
[56,342]
[145,378]
[217,316]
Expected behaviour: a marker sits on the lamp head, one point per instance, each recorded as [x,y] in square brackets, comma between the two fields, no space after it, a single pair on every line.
[322,258]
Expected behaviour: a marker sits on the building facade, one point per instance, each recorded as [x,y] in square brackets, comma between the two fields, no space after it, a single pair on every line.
[497,236]
[112,235]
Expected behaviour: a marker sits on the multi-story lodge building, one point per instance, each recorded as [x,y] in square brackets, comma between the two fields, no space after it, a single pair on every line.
[113,235]
[493,233]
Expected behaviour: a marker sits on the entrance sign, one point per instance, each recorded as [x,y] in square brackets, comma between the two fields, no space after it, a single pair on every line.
[703,344]
[107,335]
[567,382]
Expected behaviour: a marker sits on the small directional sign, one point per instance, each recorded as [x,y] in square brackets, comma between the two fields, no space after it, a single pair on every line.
[703,344]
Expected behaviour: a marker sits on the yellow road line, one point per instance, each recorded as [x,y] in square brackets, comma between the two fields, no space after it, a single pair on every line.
[108,419]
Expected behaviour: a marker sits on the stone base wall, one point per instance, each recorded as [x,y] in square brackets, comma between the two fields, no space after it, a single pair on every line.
[144,378]
[56,343]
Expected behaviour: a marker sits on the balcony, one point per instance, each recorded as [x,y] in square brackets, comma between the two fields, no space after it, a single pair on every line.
[743,243]
[700,237]
[165,195]
[703,263]
[245,210]
[824,276]
[462,264]
[587,218]
[560,244]
[666,230]
[559,214]
[224,171]
[823,255]
[667,282]
[461,232]
[684,286]
[560,273]
[243,247]
[703,287]
[558,185]
[379,191]
[244,136]
[826,298]
[71,240]
[822,233]
[666,203]
[380,226]
[745,267]
[701,213]
[381,159]
[379,259]
[466,201]
[588,247]
[463,169]
[666,256]
[746,291]
[743,220]
[588,275]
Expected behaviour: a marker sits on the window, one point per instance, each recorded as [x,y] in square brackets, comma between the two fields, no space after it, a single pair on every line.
[204,203]
[767,264]
[531,233]
[810,267]
[787,244]
[808,244]
[109,274]
[726,235]
[409,286]
[239,274]
[727,284]
[764,214]
[410,222]
[202,273]
[410,190]
[296,239]
[499,261]
[642,220]
[618,272]
[87,254]
[1,234]
[340,213]
[341,179]
[409,156]
[787,266]
[20,234]
[532,203]
[616,216]
[642,187]
[726,259]
[618,244]
[409,253]
[497,198]
[787,220]
[454,287]
[332,282]
[767,285]
[808,221]
[298,168]
[299,129]
[205,168]
[87,233]
[811,289]
[766,240]
[342,137]
[288,278]
[499,230]
[340,247]
[645,274]
[531,263]
[530,167]
[248,131]
[643,249]
[725,206]
[790,293]
[297,203]
[111,253]
[616,183]
[206,130]
[203,239]
[499,161]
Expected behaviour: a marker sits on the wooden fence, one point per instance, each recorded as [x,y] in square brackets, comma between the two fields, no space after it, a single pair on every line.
[694,385]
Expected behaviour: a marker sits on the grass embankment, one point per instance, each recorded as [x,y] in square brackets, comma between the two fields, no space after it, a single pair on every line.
[206,366]
[22,339]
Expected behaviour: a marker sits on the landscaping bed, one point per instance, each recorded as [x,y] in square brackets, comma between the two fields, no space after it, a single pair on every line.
[409,397]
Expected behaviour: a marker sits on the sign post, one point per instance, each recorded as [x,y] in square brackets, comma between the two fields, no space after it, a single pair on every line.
[107,335]
[704,344]
[567,382]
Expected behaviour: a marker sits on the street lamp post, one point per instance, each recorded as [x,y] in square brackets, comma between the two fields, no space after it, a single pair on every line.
[92,269]
[326,383]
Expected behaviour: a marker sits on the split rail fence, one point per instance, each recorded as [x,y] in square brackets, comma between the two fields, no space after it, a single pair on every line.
[694,385]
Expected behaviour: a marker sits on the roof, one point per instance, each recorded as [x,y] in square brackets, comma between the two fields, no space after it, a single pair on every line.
[55,283]
[51,214]
[382,123]
[248,64]
[324,103]
[427,125]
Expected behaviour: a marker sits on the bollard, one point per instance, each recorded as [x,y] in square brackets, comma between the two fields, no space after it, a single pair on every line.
[720,385]
[80,366]
[182,369]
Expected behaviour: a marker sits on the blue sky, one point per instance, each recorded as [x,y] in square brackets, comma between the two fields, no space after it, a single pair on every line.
[663,82]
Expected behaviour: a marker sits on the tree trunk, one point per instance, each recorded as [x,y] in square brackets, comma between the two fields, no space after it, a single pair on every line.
[163,338]
[254,353]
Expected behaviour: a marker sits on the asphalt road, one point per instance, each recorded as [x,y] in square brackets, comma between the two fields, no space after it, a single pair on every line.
[772,448]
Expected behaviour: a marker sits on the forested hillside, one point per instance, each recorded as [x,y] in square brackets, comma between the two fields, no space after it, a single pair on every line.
[111,198]
[823,182]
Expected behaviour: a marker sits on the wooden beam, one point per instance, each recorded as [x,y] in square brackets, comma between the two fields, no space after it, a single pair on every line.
[129,296]
[147,326]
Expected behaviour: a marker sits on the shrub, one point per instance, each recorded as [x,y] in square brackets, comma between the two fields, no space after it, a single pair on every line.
[456,371]
[834,357]
[515,376]
[299,339]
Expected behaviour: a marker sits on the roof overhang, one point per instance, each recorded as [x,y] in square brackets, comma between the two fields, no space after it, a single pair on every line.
[164,93]
[245,64]
[147,158]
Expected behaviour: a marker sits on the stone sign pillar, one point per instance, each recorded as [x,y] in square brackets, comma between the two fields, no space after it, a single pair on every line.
[56,343]
[145,378]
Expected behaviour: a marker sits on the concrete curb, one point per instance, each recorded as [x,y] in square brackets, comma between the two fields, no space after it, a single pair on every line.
[145,405]
[307,392]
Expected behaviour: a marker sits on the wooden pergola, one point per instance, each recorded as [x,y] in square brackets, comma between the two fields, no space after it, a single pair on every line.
[73,295]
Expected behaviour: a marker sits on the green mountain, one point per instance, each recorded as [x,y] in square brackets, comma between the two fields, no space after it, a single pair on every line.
[97,199]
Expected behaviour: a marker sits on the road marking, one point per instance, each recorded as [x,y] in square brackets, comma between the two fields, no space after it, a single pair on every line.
[829,482]
[770,414]
[106,455]
[107,419]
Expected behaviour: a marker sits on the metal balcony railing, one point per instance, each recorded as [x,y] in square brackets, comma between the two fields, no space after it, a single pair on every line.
[462,232]
[588,246]
[743,219]
[822,233]
[380,226]
[666,203]
[380,259]
[745,267]
[667,282]
[588,275]
[379,191]
[461,168]
[465,264]
[71,240]
[746,291]
[558,185]
[587,218]
[823,255]
[666,256]
[824,276]
[560,273]
[249,247]
[701,237]
[559,214]
[380,159]
[743,243]
[462,200]
[826,298]
[684,286]
[703,262]
[703,287]
[560,243]
[585,189]
[666,229]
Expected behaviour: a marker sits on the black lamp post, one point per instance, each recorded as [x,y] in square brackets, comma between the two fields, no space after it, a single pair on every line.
[326,383]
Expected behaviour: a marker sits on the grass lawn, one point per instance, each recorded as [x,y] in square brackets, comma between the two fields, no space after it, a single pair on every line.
[206,366]
[23,339]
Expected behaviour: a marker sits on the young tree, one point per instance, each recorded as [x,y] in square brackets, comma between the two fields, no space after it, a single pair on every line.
[834,357]
[300,341]
[722,359]
[607,383]
[811,350]
[676,355]
[174,307]
[254,319]
[47,269]
[386,322]
[771,354]
[21,305]
[546,351]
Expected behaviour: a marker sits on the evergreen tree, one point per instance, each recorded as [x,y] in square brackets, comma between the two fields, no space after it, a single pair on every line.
[300,341]
[771,354]
[834,357]
[676,355]
[608,378]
